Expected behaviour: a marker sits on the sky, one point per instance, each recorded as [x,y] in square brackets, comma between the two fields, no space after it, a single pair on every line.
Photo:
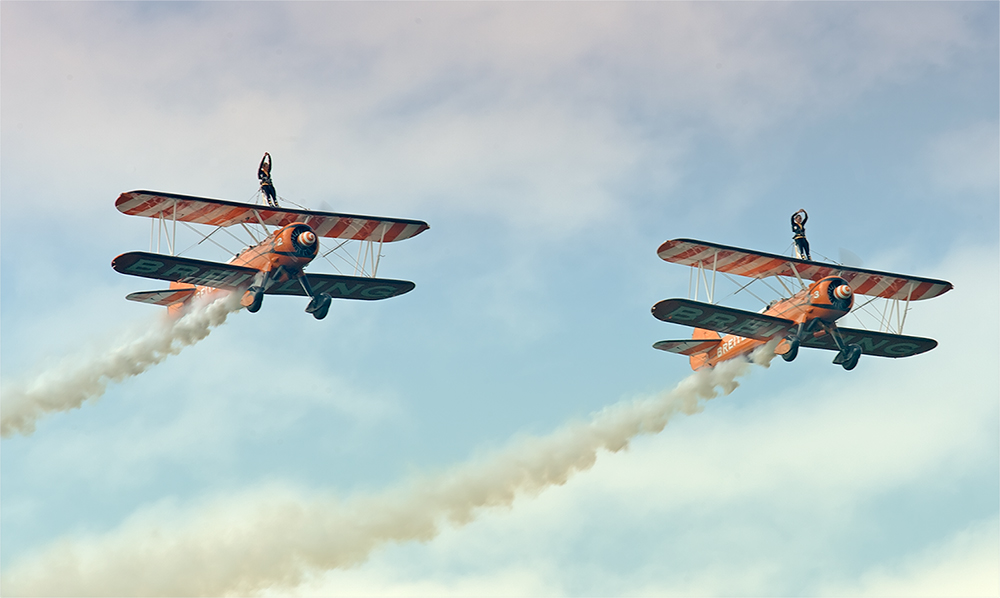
[506,427]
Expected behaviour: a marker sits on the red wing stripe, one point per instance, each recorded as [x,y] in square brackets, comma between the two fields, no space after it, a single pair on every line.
[338,228]
[199,214]
[395,231]
[226,216]
[366,229]
[352,228]
[922,290]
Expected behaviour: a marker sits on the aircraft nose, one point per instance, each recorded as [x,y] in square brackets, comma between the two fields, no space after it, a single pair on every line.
[843,291]
[307,238]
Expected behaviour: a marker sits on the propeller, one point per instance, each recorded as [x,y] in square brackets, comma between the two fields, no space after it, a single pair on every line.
[851,259]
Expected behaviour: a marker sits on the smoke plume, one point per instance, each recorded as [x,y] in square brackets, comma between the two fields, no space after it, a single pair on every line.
[275,538]
[75,380]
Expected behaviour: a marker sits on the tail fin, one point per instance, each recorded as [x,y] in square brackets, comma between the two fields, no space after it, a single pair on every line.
[701,359]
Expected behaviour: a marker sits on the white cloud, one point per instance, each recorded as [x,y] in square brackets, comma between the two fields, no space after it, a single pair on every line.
[507,109]
[965,564]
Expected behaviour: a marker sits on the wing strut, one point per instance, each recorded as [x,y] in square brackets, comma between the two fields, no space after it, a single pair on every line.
[906,307]
[173,243]
[796,272]
[701,278]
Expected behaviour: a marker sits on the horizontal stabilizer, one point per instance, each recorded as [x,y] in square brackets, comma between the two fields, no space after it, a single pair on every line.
[219,212]
[688,346]
[165,298]
[879,344]
[231,277]
[726,320]
[758,264]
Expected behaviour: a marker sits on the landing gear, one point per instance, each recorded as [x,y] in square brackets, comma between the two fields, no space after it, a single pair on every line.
[254,296]
[848,355]
[256,299]
[852,357]
[794,340]
[793,350]
[319,306]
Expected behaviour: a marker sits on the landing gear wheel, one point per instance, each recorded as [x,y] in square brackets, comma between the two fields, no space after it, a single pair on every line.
[852,358]
[793,350]
[320,306]
[258,300]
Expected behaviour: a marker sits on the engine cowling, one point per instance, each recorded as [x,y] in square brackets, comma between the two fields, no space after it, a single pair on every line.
[832,293]
[302,240]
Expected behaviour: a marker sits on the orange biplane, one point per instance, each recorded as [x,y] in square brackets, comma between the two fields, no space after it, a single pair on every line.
[807,318]
[273,265]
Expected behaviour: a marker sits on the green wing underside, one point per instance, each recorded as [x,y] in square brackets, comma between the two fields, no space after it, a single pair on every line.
[238,278]
[762,327]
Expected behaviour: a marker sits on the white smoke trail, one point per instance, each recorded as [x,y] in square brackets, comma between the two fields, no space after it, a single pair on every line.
[74,381]
[275,538]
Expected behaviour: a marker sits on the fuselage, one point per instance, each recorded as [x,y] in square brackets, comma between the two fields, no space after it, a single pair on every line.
[282,254]
[826,301]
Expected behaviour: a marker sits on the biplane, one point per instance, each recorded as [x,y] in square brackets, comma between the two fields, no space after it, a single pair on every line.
[806,318]
[287,240]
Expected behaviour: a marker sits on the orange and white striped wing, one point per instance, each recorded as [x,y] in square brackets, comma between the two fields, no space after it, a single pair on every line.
[757,264]
[218,212]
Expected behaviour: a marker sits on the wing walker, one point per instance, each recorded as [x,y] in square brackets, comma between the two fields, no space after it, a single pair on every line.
[285,242]
[806,318]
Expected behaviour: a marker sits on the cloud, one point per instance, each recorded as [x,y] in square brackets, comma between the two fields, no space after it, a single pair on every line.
[496,109]
[965,564]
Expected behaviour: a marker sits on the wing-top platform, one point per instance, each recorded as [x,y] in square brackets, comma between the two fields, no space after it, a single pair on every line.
[757,264]
[218,212]
[231,277]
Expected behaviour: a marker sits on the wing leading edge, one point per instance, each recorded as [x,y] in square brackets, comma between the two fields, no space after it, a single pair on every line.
[218,212]
[757,264]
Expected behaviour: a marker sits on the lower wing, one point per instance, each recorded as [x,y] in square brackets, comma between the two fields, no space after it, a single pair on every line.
[721,319]
[238,278]
[880,344]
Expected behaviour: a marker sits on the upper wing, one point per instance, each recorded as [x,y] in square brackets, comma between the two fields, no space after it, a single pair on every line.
[218,212]
[721,319]
[757,264]
[880,344]
[238,278]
